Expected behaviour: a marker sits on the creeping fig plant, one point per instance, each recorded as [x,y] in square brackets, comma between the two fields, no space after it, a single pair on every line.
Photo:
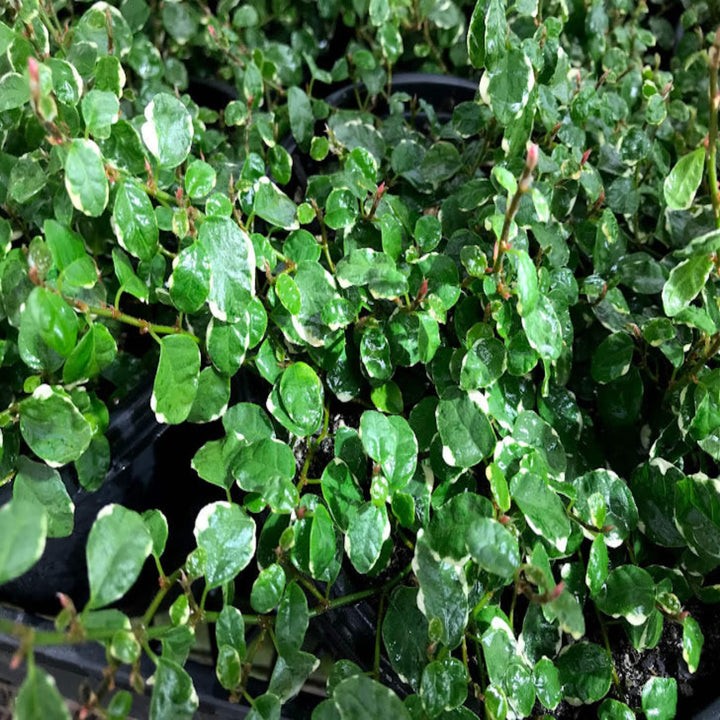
[480,335]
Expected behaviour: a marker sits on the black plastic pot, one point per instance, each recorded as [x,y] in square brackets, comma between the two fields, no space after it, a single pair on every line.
[442,92]
[150,468]
[76,667]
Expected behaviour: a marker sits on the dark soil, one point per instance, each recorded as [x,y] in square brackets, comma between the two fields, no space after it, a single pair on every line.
[695,691]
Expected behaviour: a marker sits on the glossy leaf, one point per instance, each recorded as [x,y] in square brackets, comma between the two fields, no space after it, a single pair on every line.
[684,179]
[38,697]
[659,698]
[585,671]
[231,257]
[227,535]
[53,427]
[134,221]
[685,282]
[118,544]
[85,179]
[23,530]
[168,130]
[176,379]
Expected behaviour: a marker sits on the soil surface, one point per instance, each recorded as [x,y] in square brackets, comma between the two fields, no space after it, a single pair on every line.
[695,690]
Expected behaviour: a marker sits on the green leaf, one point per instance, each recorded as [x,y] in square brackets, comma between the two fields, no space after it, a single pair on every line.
[267,590]
[231,257]
[267,466]
[659,698]
[157,525]
[543,330]
[341,492]
[189,283]
[391,442]
[443,686]
[443,596]
[692,643]
[697,514]
[134,221]
[27,179]
[53,427]
[38,697]
[526,285]
[129,281]
[496,30]
[297,400]
[628,592]
[92,466]
[292,620]
[199,179]
[493,548]
[23,530]
[274,206]
[451,523]
[597,567]
[685,282]
[543,509]
[404,632]
[227,344]
[341,209]
[586,672]
[176,379]
[367,530]
[69,255]
[230,630]
[653,487]
[290,674]
[466,433]
[95,351]
[684,179]
[364,266]
[85,179]
[212,398]
[288,293]
[168,130]
[125,647]
[266,707]
[37,483]
[173,695]
[511,82]
[14,91]
[476,36]
[117,547]
[621,516]
[48,331]
[322,542]
[612,358]
[227,535]
[547,683]
[358,697]
[228,669]
[302,123]
[440,163]
[614,710]
[100,110]
[519,688]
[483,364]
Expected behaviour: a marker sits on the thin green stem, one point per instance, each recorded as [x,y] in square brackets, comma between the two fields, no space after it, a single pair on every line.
[606,641]
[323,234]
[310,454]
[523,186]
[144,325]
[167,583]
